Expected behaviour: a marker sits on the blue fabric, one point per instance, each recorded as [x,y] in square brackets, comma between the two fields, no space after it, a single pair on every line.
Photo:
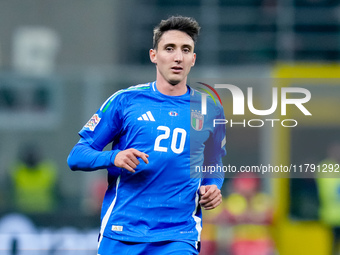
[112,247]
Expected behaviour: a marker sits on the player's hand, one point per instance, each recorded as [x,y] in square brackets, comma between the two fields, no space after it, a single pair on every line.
[128,159]
[211,197]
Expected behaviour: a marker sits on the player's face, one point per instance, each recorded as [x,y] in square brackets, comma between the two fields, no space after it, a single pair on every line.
[174,56]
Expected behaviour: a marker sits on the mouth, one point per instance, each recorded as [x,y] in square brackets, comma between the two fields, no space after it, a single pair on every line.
[176,69]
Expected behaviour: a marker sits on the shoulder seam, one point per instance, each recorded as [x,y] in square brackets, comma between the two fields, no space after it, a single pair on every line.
[107,103]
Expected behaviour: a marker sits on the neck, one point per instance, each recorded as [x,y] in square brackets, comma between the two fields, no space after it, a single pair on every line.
[168,89]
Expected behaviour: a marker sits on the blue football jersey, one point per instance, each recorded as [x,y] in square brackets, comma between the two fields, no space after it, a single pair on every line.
[160,200]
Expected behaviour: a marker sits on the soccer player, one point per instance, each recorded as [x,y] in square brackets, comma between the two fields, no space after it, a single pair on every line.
[153,203]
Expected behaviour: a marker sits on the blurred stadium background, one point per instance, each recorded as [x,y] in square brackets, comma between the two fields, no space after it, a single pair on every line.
[59,60]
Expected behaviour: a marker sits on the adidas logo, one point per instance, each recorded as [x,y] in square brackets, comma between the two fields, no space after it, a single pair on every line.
[147,116]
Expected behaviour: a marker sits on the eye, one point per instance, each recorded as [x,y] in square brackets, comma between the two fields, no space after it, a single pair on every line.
[169,48]
[186,50]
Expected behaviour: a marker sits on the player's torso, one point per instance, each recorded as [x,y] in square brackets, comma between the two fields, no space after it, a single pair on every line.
[170,130]
[160,194]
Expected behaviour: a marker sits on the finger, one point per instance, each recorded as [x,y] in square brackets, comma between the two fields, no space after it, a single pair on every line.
[207,194]
[212,204]
[202,190]
[206,202]
[210,207]
[208,189]
[144,157]
[212,192]
[212,201]
[210,197]
[129,168]
[132,160]
[141,155]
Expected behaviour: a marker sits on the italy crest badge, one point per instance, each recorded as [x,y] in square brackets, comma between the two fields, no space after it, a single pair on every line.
[197,120]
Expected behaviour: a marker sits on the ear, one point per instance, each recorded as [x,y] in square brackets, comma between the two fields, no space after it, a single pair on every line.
[193,59]
[153,56]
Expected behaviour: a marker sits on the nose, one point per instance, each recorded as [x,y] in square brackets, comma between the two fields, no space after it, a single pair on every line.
[178,56]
